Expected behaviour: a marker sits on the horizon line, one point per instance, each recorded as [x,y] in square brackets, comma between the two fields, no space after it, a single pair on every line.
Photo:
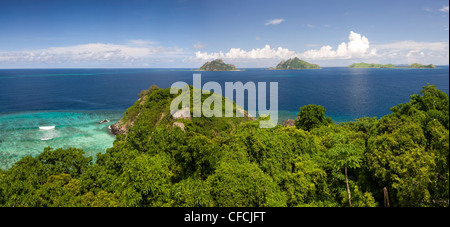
[190,68]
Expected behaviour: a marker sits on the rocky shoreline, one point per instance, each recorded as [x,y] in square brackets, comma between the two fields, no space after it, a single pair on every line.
[116,129]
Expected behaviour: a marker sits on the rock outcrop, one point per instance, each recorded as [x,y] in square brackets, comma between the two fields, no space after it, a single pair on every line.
[179,124]
[117,129]
[289,123]
[184,113]
[104,121]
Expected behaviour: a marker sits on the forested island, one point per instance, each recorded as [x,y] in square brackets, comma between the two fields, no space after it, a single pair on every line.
[420,66]
[217,65]
[391,66]
[163,159]
[295,63]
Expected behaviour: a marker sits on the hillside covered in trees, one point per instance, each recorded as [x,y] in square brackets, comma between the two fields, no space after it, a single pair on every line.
[363,65]
[295,63]
[220,162]
[217,65]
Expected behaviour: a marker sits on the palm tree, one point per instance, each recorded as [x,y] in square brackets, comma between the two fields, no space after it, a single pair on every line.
[345,155]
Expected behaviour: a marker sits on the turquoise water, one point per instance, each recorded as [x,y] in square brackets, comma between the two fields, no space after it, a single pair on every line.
[75,100]
[20,134]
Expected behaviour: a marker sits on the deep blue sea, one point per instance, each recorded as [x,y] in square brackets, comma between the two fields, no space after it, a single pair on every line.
[75,100]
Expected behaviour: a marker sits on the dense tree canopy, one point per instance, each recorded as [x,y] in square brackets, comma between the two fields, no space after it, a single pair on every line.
[312,116]
[233,162]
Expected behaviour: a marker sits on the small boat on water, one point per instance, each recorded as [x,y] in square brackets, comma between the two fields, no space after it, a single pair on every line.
[46,127]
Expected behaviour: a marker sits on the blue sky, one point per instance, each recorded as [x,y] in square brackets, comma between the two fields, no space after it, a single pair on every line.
[247,33]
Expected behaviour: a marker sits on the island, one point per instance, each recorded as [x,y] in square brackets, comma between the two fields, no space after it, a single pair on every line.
[420,66]
[295,63]
[370,65]
[364,65]
[164,158]
[217,65]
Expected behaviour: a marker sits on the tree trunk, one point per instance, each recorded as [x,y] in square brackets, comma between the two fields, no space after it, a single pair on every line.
[348,188]
[386,197]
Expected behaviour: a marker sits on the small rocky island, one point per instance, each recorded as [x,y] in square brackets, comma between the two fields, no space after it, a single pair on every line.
[364,65]
[218,65]
[295,63]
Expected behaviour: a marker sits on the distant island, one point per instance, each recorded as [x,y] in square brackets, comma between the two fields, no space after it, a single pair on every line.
[420,66]
[295,63]
[371,65]
[218,65]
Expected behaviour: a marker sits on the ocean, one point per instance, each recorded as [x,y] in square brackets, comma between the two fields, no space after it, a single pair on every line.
[75,100]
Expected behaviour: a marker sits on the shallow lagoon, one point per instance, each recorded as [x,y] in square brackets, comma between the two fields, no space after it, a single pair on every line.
[75,100]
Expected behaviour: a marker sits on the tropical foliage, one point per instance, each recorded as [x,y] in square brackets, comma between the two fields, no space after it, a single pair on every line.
[372,65]
[233,162]
[296,63]
[217,65]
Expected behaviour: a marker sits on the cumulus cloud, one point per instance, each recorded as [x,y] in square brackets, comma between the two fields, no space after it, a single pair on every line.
[237,53]
[139,53]
[357,48]
[274,22]
[444,9]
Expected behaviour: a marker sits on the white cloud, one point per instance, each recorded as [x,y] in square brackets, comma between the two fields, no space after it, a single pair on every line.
[358,48]
[409,44]
[274,22]
[444,9]
[406,52]
[237,53]
[135,51]
[415,53]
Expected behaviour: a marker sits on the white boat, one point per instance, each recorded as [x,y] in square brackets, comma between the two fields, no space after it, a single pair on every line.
[46,127]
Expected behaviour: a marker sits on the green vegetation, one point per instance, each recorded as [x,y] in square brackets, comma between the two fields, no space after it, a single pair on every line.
[295,63]
[312,116]
[420,66]
[233,162]
[371,65]
[217,65]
